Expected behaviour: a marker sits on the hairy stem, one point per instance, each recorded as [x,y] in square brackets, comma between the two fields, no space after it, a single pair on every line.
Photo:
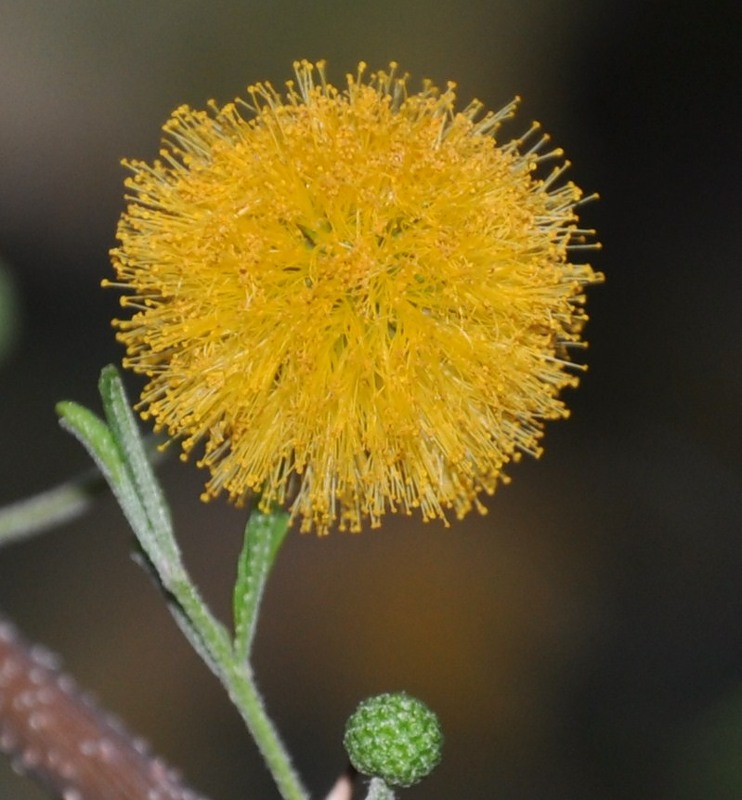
[238,678]
[54,507]
[378,790]
[245,695]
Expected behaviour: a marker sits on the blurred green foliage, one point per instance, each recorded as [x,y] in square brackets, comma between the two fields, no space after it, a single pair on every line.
[9,313]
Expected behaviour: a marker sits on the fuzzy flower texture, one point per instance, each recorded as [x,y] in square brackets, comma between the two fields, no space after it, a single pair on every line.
[355,300]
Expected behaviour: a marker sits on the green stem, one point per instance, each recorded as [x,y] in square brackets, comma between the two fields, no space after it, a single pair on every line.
[49,509]
[54,507]
[239,680]
[378,790]
[245,695]
[207,635]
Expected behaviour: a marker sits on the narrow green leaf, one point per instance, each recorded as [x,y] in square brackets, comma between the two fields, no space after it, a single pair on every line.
[157,539]
[96,437]
[264,535]
[119,452]
[126,431]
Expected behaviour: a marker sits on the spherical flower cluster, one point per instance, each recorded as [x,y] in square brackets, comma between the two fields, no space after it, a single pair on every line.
[355,300]
[395,737]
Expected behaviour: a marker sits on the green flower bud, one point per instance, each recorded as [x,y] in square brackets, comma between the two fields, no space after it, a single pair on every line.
[394,737]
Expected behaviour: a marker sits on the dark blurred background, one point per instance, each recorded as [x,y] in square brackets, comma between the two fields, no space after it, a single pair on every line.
[582,641]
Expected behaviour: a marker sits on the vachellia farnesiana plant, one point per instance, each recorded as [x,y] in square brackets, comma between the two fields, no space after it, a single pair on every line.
[351,302]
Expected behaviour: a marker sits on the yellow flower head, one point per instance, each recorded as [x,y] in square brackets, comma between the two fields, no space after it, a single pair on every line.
[355,298]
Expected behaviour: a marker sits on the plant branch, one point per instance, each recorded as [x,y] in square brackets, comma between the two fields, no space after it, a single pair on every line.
[56,734]
[53,507]
[117,448]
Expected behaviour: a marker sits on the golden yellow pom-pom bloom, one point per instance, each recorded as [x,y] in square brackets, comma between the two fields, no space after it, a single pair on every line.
[356,299]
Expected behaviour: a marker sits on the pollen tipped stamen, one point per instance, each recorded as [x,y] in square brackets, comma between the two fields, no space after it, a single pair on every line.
[352,301]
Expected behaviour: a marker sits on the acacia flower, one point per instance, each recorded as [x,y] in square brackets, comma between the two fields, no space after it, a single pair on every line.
[353,300]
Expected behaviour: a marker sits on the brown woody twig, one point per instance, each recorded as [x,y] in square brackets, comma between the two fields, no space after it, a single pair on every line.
[56,734]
